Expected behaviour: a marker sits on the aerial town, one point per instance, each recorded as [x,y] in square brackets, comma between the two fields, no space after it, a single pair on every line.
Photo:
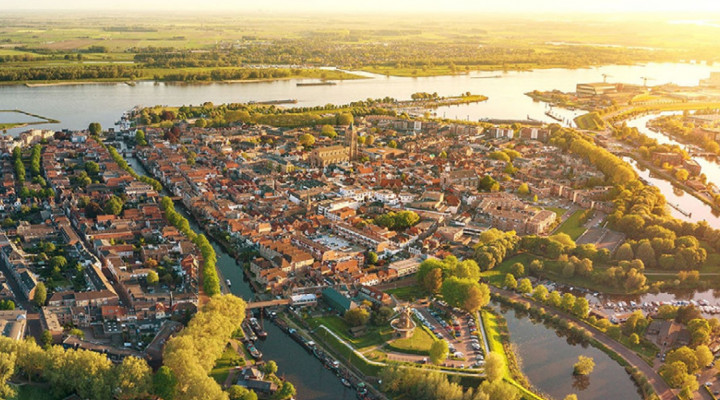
[243,205]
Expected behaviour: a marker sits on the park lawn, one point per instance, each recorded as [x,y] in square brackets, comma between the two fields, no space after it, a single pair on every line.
[590,121]
[408,293]
[220,371]
[557,210]
[645,348]
[344,353]
[375,336]
[33,392]
[496,276]
[573,226]
[419,342]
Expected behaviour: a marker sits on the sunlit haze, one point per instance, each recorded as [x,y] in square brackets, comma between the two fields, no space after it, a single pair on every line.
[380,6]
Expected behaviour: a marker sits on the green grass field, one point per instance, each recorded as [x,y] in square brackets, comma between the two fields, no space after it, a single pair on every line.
[32,392]
[374,337]
[573,226]
[419,342]
[590,121]
[496,276]
[407,293]
[228,360]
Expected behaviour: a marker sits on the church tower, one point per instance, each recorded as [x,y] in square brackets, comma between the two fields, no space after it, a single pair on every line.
[351,142]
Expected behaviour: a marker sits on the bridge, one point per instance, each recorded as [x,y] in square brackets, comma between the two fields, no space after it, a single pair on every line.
[269,303]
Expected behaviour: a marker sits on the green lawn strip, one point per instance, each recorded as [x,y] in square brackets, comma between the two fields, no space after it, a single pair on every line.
[573,226]
[557,210]
[408,293]
[375,336]
[496,276]
[591,121]
[345,354]
[494,341]
[229,359]
[33,392]
[418,343]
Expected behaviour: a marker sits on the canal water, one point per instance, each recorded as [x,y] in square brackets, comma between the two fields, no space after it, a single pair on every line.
[306,372]
[547,359]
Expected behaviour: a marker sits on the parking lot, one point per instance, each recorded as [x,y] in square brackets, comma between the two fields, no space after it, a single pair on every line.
[464,345]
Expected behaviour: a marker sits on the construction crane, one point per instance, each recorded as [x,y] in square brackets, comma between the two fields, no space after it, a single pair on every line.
[605,76]
[645,79]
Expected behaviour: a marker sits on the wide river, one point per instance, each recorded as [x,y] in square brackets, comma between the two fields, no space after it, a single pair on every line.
[78,105]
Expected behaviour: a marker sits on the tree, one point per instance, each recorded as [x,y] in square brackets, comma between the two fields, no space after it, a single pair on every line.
[624,252]
[540,293]
[270,367]
[581,308]
[40,294]
[164,383]
[114,206]
[357,316]
[7,369]
[92,168]
[77,333]
[494,367]
[140,137]
[646,253]
[517,269]
[634,339]
[524,286]
[306,140]
[523,189]
[568,301]
[372,258]
[510,283]
[286,391]
[152,278]
[476,297]
[433,281]
[676,374]
[46,339]
[584,366]
[488,184]
[685,355]
[329,131]
[438,351]
[133,379]
[392,144]
[554,299]
[237,392]
[345,119]
[704,356]
[95,128]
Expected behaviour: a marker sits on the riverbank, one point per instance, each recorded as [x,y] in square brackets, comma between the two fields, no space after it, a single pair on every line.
[670,178]
[645,377]
[41,120]
[229,75]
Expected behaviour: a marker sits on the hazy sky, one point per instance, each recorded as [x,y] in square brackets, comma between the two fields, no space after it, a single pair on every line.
[474,6]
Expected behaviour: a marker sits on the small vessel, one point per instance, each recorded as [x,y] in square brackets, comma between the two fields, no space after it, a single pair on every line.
[345,382]
[227,281]
[255,325]
[323,83]
[254,352]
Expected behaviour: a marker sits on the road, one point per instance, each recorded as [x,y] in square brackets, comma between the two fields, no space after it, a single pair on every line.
[658,384]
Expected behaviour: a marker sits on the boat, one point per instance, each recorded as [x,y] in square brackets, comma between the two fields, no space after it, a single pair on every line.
[227,281]
[254,352]
[323,83]
[249,334]
[255,325]
[486,77]
[345,382]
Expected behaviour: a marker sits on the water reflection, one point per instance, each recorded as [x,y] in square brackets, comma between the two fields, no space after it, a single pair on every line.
[548,357]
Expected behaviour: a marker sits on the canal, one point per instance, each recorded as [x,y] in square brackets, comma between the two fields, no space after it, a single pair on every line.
[547,359]
[306,372]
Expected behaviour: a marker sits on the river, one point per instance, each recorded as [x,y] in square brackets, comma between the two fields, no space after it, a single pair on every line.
[306,372]
[548,359]
[78,105]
